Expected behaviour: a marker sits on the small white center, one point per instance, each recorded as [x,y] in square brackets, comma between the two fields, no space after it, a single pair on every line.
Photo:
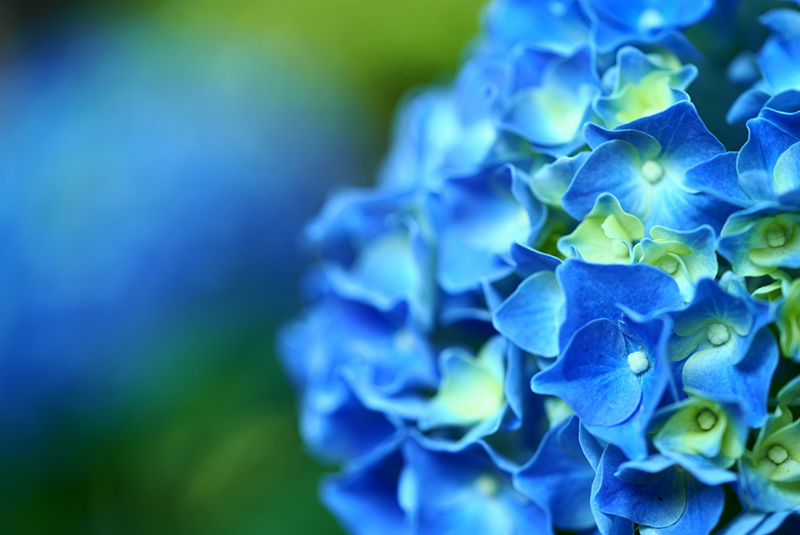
[668,264]
[717,334]
[775,236]
[652,171]
[650,19]
[706,419]
[777,454]
[487,485]
[404,341]
[638,362]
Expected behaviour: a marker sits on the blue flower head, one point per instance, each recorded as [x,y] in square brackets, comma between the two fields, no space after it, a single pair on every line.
[547,229]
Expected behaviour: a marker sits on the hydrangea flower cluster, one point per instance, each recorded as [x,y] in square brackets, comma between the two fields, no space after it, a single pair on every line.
[565,307]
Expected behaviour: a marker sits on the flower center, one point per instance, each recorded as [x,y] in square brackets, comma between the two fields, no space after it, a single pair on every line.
[652,171]
[487,485]
[638,362]
[668,264]
[404,341]
[775,236]
[650,19]
[706,420]
[777,454]
[717,334]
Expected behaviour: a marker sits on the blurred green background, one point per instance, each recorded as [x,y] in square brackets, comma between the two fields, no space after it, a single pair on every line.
[206,442]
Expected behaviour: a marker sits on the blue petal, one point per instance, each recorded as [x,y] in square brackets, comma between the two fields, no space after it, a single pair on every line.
[718,177]
[685,141]
[641,288]
[593,376]
[612,167]
[747,105]
[779,55]
[531,316]
[364,499]
[560,478]
[656,500]
[704,505]
[783,110]
[764,146]
[747,383]
[645,144]
[529,261]
[464,493]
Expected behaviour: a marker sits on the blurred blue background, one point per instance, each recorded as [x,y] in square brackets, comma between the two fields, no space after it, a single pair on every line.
[157,162]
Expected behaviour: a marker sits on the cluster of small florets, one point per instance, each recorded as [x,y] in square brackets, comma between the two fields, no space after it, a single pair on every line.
[558,308]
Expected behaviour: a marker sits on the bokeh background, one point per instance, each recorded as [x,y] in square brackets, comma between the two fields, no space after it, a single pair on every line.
[157,161]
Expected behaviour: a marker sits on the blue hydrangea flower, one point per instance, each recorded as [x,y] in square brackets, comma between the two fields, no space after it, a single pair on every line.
[642,85]
[724,349]
[623,365]
[600,367]
[765,169]
[702,436]
[605,236]
[654,494]
[760,240]
[642,164]
[769,473]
